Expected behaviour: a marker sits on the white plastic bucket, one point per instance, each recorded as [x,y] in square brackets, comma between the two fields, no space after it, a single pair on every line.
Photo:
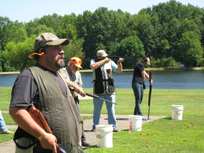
[177,112]
[135,122]
[104,135]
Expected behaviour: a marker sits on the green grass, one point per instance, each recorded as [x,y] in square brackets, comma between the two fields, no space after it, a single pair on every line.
[163,135]
[8,120]
[6,137]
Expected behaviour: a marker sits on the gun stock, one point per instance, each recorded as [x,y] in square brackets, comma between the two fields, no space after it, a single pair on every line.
[40,120]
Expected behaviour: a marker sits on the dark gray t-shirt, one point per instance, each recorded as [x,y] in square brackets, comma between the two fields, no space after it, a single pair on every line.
[25,91]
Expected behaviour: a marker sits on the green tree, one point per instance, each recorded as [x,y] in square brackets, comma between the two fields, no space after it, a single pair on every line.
[68,25]
[69,31]
[16,55]
[173,35]
[51,21]
[1,60]
[20,35]
[190,49]
[30,26]
[130,46]
[158,35]
[100,30]
[73,49]
[11,31]
[42,29]
[141,26]
[189,25]
[163,46]
[134,23]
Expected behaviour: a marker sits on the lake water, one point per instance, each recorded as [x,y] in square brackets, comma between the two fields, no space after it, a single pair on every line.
[161,79]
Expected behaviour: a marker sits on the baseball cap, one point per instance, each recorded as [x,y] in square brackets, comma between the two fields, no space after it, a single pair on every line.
[76,61]
[48,39]
[101,53]
[147,61]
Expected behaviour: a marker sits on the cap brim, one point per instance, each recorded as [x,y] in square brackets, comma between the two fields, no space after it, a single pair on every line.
[78,66]
[64,41]
[58,42]
[105,55]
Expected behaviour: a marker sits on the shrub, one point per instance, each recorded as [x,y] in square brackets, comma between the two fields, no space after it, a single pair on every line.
[201,62]
[164,62]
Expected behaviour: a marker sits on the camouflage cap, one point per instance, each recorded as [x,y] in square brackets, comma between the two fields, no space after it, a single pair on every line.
[49,39]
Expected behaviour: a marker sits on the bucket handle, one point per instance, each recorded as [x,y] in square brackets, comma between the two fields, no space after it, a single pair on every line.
[97,136]
[176,112]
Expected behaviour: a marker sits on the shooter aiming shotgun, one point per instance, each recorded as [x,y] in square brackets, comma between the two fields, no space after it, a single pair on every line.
[150,92]
[95,96]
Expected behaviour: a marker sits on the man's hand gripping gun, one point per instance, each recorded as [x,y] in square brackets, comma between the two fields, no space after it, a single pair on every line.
[40,120]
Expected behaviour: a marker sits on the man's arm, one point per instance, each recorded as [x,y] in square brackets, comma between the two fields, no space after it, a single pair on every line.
[120,66]
[148,77]
[144,74]
[76,88]
[99,63]
[21,116]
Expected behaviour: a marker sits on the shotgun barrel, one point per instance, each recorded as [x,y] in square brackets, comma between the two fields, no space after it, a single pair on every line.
[150,92]
[125,58]
[95,96]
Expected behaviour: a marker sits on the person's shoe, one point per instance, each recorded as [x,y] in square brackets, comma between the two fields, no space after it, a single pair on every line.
[7,132]
[144,118]
[115,130]
[86,144]
[93,130]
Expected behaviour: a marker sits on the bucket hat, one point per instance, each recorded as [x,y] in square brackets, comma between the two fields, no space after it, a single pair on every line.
[101,53]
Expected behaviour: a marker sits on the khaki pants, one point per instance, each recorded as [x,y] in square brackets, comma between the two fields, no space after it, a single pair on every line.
[24,142]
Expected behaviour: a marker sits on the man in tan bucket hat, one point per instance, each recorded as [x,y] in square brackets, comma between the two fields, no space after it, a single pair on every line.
[43,86]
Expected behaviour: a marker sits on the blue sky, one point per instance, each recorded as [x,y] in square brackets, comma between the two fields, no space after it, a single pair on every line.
[26,10]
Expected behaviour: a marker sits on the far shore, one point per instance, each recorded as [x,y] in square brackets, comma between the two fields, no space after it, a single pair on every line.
[146,69]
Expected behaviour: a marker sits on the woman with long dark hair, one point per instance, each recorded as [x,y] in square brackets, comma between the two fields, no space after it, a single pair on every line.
[138,83]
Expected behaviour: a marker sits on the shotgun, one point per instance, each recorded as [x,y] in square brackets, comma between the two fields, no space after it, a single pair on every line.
[40,120]
[95,96]
[150,92]
[125,58]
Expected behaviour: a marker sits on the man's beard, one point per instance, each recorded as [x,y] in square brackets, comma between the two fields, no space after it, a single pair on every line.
[60,63]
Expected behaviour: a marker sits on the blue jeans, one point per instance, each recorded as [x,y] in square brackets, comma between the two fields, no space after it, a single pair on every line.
[2,123]
[138,92]
[110,107]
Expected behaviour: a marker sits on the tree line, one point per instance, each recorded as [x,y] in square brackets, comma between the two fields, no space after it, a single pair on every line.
[169,33]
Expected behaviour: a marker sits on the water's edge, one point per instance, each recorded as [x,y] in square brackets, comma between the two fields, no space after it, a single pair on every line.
[129,70]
